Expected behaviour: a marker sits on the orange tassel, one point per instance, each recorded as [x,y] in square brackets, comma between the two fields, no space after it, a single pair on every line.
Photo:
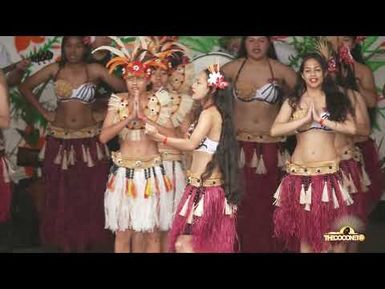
[132,188]
[157,185]
[167,183]
[148,189]
[111,182]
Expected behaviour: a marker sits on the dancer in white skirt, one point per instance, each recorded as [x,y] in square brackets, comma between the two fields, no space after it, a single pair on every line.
[137,181]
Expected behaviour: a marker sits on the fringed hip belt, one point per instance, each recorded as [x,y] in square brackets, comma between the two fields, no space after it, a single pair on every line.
[132,166]
[198,182]
[313,169]
[65,133]
[250,137]
[130,163]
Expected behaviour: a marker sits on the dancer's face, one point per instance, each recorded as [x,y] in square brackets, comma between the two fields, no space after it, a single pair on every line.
[257,46]
[159,78]
[200,88]
[312,73]
[135,83]
[74,49]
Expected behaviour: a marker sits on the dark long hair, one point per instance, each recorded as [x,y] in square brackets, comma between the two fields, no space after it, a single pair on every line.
[63,60]
[356,51]
[243,52]
[337,103]
[227,153]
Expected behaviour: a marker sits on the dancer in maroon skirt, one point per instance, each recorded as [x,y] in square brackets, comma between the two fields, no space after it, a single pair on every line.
[205,217]
[259,83]
[311,198]
[75,166]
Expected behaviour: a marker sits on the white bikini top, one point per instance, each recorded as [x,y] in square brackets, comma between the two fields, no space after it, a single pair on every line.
[208,146]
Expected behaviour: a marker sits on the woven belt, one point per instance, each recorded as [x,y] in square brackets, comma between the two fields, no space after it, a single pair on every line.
[197,182]
[131,163]
[65,133]
[312,169]
[249,137]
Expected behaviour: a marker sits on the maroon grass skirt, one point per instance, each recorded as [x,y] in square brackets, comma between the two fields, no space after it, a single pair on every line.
[255,213]
[372,165]
[75,175]
[204,213]
[308,207]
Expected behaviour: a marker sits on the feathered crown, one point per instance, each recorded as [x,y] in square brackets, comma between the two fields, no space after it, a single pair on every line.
[216,78]
[148,53]
[133,62]
[166,52]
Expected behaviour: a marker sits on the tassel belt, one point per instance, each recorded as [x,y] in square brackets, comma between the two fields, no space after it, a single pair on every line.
[197,182]
[312,169]
[249,137]
[171,156]
[135,163]
[65,133]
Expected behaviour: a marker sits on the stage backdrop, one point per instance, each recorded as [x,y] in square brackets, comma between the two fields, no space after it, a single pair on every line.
[27,127]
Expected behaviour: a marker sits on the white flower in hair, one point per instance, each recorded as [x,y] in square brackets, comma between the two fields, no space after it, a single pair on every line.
[214,77]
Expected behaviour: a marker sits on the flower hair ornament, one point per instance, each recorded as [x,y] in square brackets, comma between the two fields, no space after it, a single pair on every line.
[345,55]
[132,62]
[216,78]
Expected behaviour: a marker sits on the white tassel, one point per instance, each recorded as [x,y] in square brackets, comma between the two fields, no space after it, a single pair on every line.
[302,195]
[199,208]
[39,173]
[99,152]
[335,200]
[190,217]
[325,193]
[185,206]
[90,163]
[308,195]
[345,195]
[254,160]
[242,159]
[107,151]
[71,157]
[228,208]
[42,152]
[345,180]
[365,178]
[277,196]
[261,169]
[84,154]
[64,165]
[5,172]
[57,160]
[352,185]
